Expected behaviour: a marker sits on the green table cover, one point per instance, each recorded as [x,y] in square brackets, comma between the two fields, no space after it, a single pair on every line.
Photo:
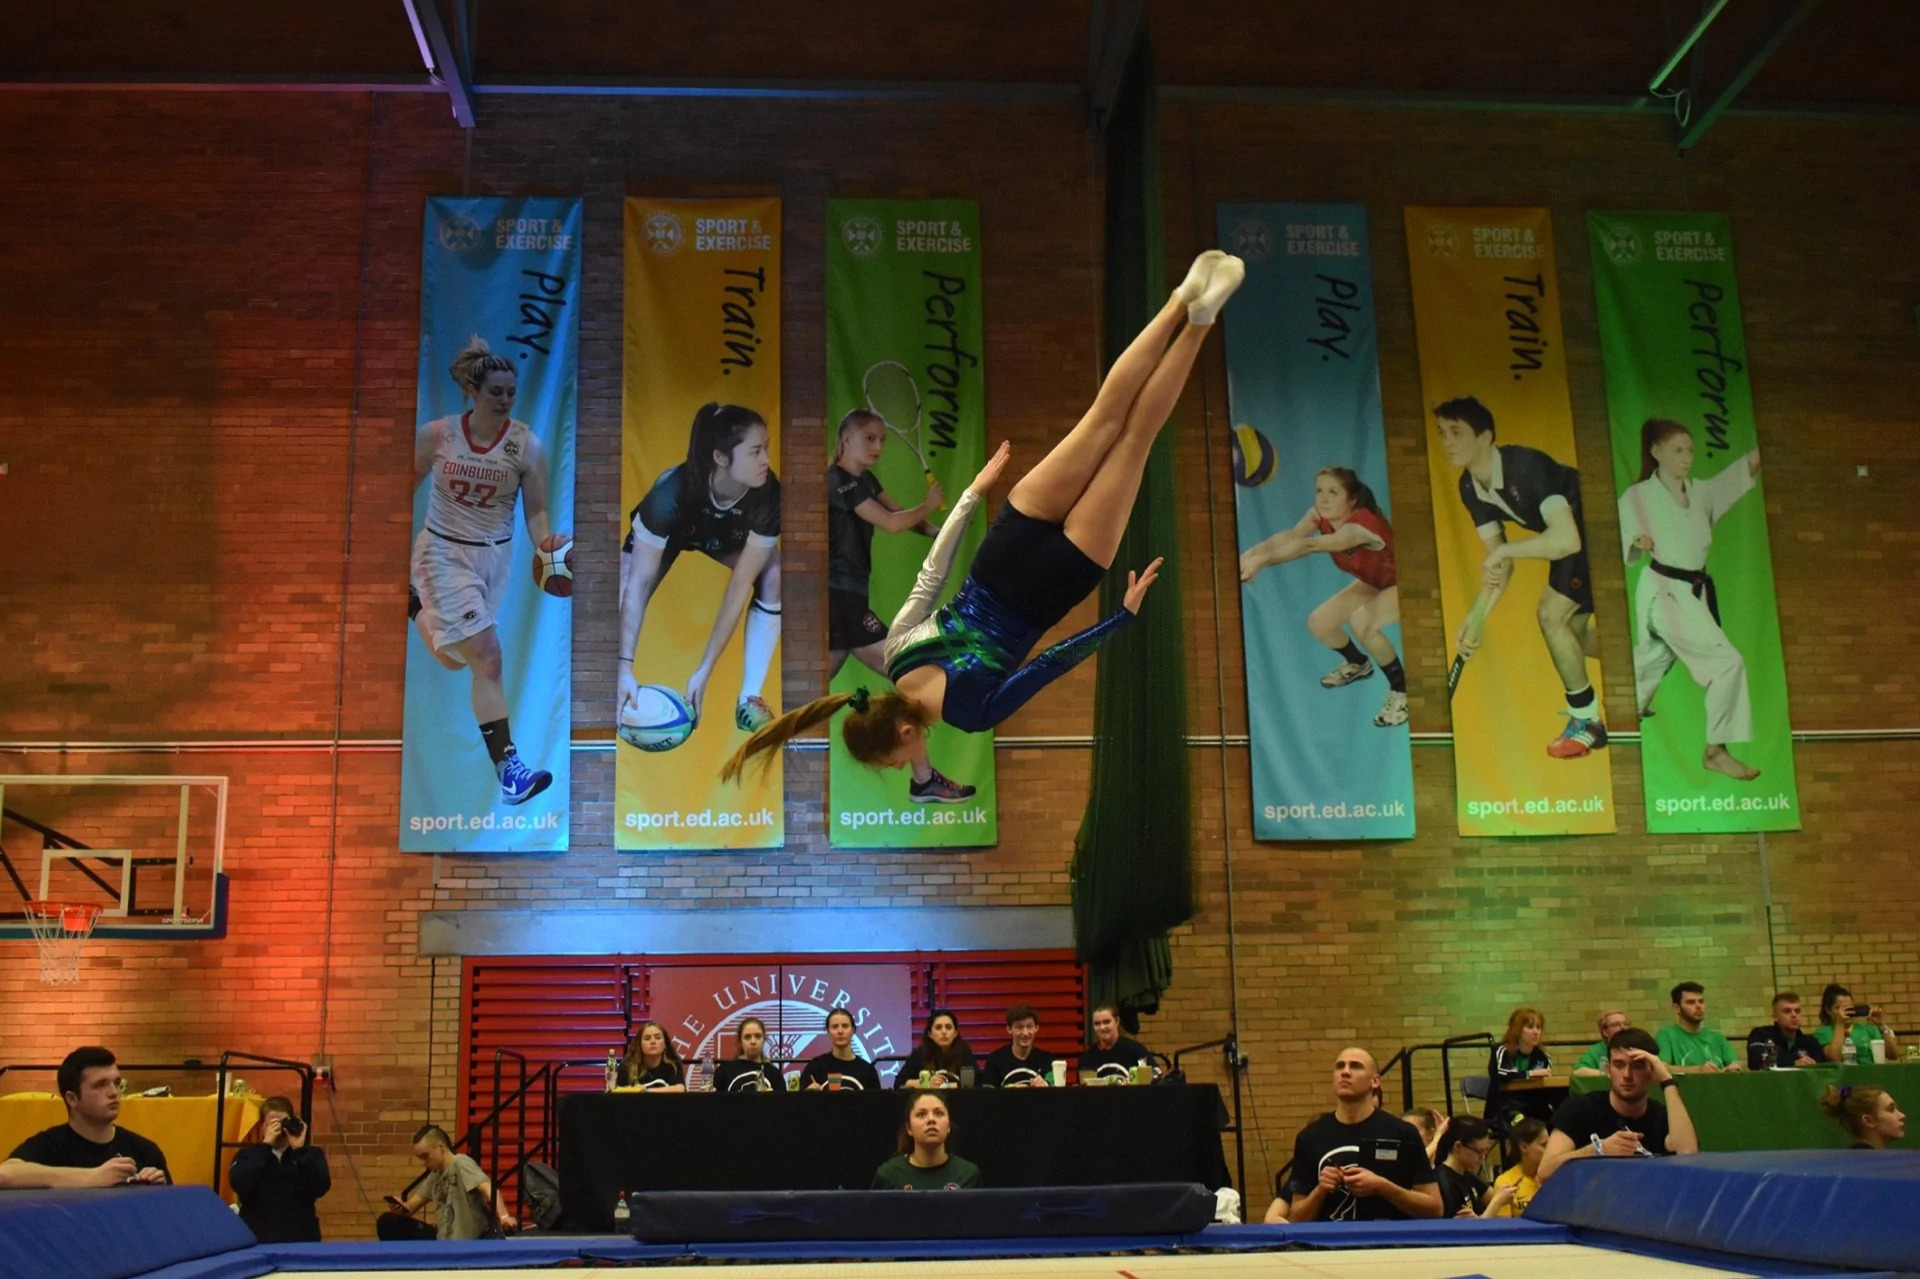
[1780,1109]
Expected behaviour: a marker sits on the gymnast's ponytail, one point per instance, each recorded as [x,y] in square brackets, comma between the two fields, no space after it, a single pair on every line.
[871,730]
[1851,1105]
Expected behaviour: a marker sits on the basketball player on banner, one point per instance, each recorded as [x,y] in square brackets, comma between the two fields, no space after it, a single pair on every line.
[724,502]
[475,465]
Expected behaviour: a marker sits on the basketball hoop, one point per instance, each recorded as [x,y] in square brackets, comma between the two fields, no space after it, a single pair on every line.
[61,930]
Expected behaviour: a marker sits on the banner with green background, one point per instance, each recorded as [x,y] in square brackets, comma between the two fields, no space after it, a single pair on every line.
[1715,746]
[904,341]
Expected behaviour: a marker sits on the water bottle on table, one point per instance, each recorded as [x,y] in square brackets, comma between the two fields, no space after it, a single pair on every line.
[622,1215]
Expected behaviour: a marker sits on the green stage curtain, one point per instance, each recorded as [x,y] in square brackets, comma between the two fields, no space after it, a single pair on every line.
[1133,857]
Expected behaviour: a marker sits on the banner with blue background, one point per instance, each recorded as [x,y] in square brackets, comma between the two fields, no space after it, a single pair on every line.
[494,467]
[1319,600]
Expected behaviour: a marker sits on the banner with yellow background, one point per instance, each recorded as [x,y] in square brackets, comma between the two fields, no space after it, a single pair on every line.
[1516,586]
[700,584]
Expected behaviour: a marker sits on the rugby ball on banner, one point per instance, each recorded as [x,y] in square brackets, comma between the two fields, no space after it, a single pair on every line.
[658,720]
[553,565]
[1254,458]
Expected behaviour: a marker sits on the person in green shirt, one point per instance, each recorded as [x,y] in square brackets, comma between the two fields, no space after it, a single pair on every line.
[923,1162]
[1685,1045]
[1594,1060]
[1839,1013]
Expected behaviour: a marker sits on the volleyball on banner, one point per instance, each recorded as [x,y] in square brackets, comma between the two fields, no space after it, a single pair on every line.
[1516,585]
[1710,682]
[1320,593]
[906,412]
[700,591]
[484,759]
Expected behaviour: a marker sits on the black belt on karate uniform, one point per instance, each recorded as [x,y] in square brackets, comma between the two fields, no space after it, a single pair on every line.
[1702,584]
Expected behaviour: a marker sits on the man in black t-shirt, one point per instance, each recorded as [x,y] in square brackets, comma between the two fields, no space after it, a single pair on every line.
[90,1149]
[1357,1163]
[1503,484]
[1022,1063]
[1111,1057]
[1624,1120]
[1791,1045]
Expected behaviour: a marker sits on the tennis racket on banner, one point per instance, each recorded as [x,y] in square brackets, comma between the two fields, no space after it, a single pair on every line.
[892,393]
[1475,621]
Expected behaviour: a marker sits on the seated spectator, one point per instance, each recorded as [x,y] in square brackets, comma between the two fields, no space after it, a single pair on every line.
[1021,1064]
[1111,1057]
[1869,1114]
[1791,1046]
[1841,1019]
[281,1177]
[1518,1056]
[651,1062]
[90,1149]
[923,1162]
[749,1071]
[1357,1162]
[1623,1120]
[1527,1146]
[465,1204]
[1686,1045]
[840,1068]
[1463,1152]
[1432,1125]
[1594,1060]
[941,1055]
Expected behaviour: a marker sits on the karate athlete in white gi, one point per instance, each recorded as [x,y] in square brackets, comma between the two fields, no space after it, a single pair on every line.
[1667,520]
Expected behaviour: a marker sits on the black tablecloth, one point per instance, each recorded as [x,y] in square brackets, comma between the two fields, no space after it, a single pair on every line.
[610,1142]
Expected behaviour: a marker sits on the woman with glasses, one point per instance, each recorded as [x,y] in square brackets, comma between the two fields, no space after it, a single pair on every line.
[1463,1151]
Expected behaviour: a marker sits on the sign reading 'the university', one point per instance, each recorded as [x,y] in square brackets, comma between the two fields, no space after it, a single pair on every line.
[702,1007]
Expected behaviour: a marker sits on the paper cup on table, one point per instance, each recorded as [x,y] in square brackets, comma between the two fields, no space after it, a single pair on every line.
[1879,1052]
[1059,1072]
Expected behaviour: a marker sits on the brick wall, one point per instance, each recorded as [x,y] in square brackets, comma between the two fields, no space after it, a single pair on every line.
[215,365]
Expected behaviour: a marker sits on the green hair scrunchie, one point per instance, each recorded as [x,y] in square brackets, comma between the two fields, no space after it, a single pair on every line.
[859,700]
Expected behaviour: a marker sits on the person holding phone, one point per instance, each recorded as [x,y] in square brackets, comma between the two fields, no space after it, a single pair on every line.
[1624,1120]
[1841,1019]
[465,1203]
[1357,1162]
[840,1068]
[281,1177]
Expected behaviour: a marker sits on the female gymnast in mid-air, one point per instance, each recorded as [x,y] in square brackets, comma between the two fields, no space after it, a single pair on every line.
[1049,547]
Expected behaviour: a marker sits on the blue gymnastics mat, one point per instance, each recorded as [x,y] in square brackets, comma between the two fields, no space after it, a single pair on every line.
[1854,1208]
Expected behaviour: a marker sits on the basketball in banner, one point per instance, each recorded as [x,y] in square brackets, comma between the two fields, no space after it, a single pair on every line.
[906,394]
[1516,579]
[1710,682]
[700,496]
[484,760]
[1320,592]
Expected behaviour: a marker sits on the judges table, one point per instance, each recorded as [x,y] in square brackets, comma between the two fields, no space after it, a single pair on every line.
[610,1142]
[181,1126]
[1779,1109]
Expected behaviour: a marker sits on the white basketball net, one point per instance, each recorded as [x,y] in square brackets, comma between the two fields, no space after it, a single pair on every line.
[61,930]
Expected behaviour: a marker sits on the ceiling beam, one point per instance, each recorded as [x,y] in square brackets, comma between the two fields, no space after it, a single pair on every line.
[436,50]
[1765,47]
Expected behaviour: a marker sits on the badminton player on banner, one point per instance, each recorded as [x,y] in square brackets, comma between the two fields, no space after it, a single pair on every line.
[1050,546]
[1347,525]
[475,465]
[1666,520]
[856,506]
[724,502]
[1504,484]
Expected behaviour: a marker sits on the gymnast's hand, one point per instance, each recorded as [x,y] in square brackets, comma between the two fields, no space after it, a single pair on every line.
[1137,584]
[990,473]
